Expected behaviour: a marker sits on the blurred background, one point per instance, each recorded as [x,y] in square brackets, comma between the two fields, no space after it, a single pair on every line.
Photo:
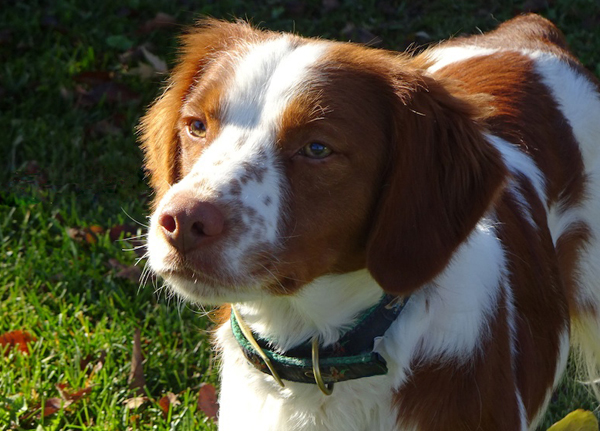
[84,342]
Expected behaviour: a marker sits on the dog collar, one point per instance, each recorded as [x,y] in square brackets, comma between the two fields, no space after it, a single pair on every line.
[351,357]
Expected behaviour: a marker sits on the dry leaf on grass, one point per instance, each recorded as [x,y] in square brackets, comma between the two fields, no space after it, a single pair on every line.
[579,420]
[97,360]
[160,66]
[207,400]
[167,401]
[136,378]
[127,230]
[132,273]
[18,339]
[67,395]
[135,402]
[87,235]
[52,405]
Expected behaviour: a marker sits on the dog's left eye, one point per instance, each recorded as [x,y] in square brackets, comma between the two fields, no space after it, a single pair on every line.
[316,150]
[197,128]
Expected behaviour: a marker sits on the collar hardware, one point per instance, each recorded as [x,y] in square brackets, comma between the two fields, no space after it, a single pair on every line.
[327,389]
[353,356]
[248,334]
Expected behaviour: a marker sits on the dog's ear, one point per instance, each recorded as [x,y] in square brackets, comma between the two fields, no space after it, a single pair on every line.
[443,176]
[158,133]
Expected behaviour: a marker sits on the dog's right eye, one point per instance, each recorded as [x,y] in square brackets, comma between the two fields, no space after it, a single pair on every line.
[315,150]
[197,128]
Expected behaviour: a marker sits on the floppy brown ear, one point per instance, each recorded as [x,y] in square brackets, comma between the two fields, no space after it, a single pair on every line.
[443,176]
[159,137]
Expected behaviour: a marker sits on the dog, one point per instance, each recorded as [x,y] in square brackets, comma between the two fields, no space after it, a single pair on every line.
[400,242]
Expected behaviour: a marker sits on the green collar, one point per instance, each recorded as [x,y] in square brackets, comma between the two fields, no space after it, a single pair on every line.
[351,357]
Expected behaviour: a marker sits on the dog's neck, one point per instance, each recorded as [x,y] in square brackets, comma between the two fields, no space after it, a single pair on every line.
[326,307]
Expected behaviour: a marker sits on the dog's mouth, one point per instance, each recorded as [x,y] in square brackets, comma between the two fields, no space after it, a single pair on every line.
[216,287]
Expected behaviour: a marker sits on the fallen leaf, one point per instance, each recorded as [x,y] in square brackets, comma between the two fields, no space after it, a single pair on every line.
[167,401]
[159,65]
[69,396]
[207,400]
[136,378]
[131,273]
[133,55]
[164,404]
[99,359]
[62,387]
[52,405]
[88,235]
[143,71]
[90,238]
[135,402]
[133,419]
[92,233]
[77,395]
[18,339]
[173,398]
[97,368]
[579,420]
[128,231]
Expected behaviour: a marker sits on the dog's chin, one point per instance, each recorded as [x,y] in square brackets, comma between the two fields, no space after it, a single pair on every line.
[200,289]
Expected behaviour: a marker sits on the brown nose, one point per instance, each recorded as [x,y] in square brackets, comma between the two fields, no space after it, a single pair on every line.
[188,223]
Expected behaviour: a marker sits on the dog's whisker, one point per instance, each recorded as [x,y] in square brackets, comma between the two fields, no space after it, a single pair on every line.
[134,220]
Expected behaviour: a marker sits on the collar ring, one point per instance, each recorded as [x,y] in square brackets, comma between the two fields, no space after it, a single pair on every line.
[327,389]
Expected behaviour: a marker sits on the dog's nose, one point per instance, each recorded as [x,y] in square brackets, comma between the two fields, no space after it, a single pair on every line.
[188,223]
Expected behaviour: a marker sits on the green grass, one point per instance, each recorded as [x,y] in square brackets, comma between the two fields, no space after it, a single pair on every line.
[69,103]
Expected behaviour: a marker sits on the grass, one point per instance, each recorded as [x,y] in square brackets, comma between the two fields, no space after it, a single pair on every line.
[71,93]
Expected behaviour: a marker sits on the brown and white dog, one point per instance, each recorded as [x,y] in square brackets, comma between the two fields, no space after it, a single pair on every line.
[302,179]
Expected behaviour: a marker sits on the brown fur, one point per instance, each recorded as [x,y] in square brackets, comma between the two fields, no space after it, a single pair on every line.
[411,175]
[159,127]
[443,178]
[479,395]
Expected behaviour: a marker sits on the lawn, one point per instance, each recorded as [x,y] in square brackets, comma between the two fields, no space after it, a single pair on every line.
[75,76]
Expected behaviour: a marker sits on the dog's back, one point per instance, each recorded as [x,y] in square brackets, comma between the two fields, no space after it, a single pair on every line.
[540,84]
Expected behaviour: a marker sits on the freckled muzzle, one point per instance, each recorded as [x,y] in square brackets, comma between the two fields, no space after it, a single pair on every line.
[219,226]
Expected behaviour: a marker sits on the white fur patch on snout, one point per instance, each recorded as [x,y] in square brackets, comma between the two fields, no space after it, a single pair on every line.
[246,186]
[245,181]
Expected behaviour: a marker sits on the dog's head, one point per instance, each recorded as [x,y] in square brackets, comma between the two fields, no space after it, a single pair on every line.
[277,159]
